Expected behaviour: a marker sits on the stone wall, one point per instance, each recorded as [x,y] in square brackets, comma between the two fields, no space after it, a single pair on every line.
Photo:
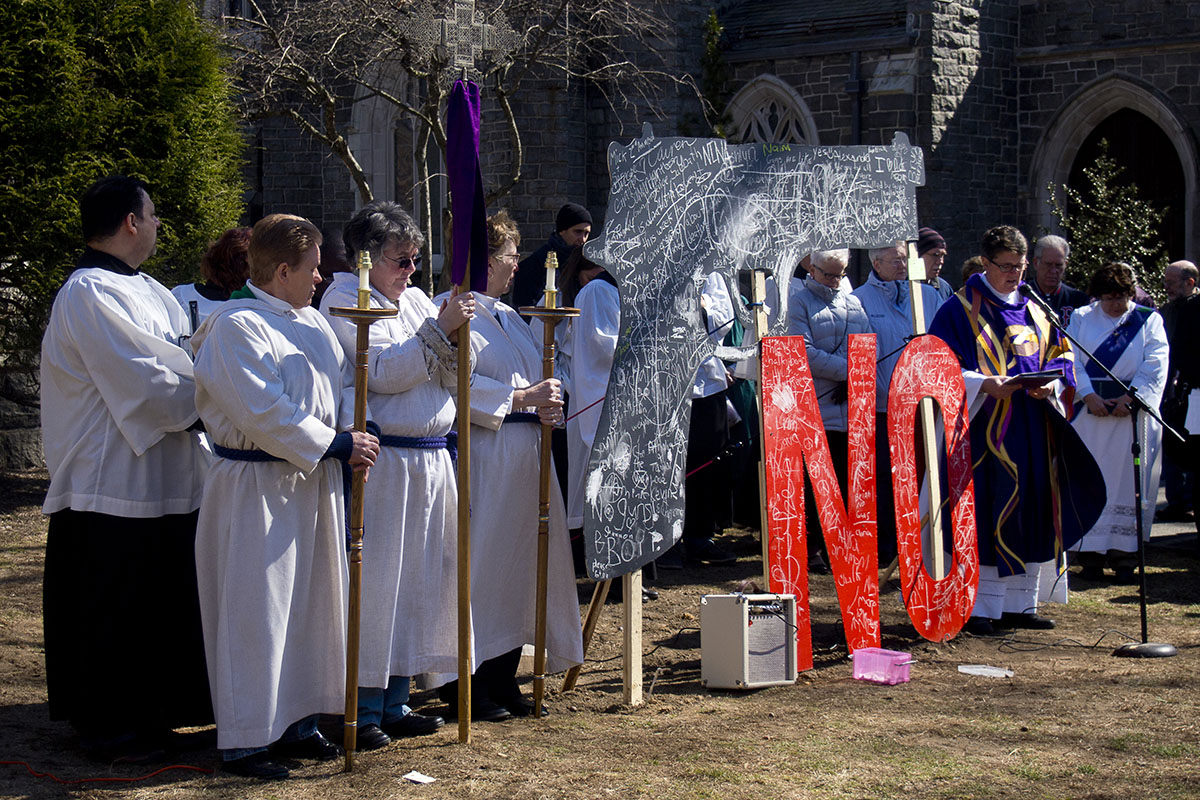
[1080,62]
[968,119]
[20,423]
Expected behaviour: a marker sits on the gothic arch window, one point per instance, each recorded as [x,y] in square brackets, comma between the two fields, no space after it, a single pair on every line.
[1112,105]
[768,110]
[385,143]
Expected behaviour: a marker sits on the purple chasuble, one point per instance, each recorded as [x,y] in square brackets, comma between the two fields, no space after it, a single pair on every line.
[1037,488]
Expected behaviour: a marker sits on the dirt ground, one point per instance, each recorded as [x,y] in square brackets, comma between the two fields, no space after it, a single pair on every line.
[1072,722]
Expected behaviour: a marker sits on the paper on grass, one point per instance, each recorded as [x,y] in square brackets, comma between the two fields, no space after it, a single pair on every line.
[417,777]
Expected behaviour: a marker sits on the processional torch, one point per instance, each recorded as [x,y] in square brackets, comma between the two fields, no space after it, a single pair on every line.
[550,315]
[362,316]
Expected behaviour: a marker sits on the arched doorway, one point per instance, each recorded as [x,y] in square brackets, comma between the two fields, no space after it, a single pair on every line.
[1101,103]
[1149,161]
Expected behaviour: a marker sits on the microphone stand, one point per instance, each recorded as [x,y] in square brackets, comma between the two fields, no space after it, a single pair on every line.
[1145,648]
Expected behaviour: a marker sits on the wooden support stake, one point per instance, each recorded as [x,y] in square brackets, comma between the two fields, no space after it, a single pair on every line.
[599,595]
[916,274]
[758,293]
[631,583]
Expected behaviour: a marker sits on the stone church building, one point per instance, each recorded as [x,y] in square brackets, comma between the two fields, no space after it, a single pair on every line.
[1006,97]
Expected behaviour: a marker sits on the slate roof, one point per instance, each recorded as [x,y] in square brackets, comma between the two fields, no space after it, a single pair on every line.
[756,24]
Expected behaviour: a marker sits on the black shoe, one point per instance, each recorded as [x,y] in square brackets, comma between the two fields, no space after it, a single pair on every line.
[486,711]
[520,707]
[1033,622]
[706,552]
[257,765]
[413,724]
[1174,513]
[980,626]
[316,747]
[672,559]
[1126,576]
[371,737]
[1092,572]
[648,595]
[817,565]
[134,749]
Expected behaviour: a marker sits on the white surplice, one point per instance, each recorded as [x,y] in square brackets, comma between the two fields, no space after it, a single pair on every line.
[410,538]
[270,545]
[117,398]
[505,463]
[592,341]
[1110,439]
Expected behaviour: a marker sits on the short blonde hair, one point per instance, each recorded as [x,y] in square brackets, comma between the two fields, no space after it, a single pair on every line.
[279,239]
[501,229]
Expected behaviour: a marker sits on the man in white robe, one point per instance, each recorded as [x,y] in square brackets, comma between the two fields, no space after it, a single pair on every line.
[1132,342]
[277,397]
[410,537]
[126,474]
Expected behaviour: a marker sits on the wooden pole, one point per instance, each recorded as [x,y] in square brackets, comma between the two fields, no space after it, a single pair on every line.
[550,315]
[464,522]
[599,595]
[362,316]
[916,276]
[631,678]
[758,293]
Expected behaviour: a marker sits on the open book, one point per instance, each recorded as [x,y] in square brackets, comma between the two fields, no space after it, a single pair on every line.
[1030,380]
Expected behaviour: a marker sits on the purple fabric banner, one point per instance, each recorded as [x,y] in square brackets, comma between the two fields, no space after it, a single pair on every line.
[469,238]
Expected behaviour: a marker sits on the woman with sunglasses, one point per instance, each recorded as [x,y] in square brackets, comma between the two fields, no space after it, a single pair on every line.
[409,569]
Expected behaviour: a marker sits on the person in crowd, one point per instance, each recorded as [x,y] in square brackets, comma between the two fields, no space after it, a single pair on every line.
[509,401]
[931,247]
[1185,372]
[886,297]
[588,348]
[224,269]
[572,226]
[1050,256]
[1024,514]
[277,398]
[708,489]
[1180,280]
[333,261]
[826,316]
[972,266]
[409,573]
[124,648]
[1129,340]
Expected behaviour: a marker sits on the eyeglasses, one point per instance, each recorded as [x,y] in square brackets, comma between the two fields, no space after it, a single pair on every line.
[1014,267]
[827,274]
[403,263]
[511,258]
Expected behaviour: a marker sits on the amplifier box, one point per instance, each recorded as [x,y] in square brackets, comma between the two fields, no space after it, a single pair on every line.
[747,640]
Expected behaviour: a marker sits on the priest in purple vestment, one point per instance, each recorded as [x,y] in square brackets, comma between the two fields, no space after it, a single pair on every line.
[1037,489]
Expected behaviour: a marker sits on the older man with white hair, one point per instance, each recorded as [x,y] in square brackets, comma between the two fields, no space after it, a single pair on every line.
[822,311]
[1050,256]
[885,296]
[1180,282]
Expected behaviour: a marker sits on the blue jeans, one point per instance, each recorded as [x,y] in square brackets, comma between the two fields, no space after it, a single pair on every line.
[301,729]
[383,706]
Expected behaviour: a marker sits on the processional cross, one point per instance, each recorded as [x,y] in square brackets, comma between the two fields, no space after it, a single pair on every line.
[458,36]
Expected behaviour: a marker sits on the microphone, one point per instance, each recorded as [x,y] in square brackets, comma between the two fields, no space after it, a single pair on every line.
[1027,292]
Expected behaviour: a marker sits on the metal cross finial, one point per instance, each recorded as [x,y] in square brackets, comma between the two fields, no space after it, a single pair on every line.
[458,35]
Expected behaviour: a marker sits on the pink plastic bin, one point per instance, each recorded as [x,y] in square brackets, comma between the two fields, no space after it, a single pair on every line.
[881,666]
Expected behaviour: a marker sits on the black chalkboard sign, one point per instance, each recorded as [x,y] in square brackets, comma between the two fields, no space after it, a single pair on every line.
[678,210]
